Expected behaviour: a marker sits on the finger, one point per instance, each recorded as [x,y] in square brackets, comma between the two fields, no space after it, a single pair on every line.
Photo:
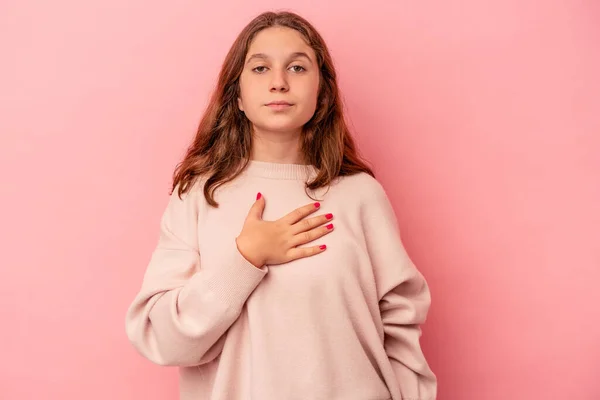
[310,223]
[309,236]
[304,252]
[257,209]
[300,213]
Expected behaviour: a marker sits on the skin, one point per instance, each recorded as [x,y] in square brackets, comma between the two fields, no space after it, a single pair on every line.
[280,65]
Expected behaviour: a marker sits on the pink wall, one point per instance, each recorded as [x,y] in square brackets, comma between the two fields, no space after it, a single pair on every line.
[482,121]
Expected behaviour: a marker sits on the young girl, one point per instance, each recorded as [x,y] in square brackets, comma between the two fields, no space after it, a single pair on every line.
[304,290]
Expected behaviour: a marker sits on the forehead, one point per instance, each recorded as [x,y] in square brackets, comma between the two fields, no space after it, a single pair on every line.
[279,41]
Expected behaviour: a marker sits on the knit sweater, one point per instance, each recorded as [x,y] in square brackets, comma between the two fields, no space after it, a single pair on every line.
[344,324]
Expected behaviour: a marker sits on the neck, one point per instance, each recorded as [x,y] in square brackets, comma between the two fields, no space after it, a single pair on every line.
[276,147]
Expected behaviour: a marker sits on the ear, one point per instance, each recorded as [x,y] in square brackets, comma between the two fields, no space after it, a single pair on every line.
[240,105]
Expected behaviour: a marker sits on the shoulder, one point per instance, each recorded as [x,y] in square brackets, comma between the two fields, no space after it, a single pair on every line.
[363,187]
[368,197]
[191,200]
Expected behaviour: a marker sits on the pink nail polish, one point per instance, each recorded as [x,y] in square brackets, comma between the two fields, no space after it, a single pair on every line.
[323,247]
[329,216]
[258,196]
[317,205]
[330,226]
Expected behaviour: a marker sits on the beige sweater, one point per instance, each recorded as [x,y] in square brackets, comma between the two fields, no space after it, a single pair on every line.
[344,324]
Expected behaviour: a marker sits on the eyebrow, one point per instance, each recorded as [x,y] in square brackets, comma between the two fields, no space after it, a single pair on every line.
[298,54]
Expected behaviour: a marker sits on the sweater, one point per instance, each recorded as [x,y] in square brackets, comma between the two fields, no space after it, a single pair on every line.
[344,324]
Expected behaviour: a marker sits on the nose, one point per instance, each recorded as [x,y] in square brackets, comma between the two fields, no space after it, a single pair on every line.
[279,82]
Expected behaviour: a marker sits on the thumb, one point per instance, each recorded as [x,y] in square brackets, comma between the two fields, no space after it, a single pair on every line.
[256,211]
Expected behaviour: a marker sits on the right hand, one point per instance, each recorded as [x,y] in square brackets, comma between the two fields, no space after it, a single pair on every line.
[274,242]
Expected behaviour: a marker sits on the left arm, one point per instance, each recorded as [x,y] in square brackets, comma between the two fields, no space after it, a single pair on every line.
[404,299]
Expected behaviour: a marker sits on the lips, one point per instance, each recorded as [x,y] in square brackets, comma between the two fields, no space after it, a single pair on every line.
[279,103]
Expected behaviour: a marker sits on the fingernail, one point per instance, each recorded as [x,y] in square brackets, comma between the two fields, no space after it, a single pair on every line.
[330,226]
[323,247]
[317,205]
[329,216]
[258,196]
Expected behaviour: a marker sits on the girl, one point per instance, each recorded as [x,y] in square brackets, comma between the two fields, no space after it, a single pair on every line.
[259,296]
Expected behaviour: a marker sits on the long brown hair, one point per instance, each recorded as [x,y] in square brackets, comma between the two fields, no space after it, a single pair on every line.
[222,146]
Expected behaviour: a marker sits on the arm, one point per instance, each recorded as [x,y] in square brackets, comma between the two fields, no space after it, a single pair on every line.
[182,311]
[404,299]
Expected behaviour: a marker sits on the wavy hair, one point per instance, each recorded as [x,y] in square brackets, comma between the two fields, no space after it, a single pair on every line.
[222,146]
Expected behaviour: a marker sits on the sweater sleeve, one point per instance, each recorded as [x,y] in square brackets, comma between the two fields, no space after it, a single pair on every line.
[182,311]
[404,300]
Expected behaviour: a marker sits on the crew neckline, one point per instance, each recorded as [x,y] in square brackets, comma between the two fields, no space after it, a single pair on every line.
[274,170]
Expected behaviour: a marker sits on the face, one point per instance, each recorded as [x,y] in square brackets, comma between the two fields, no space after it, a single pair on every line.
[279,84]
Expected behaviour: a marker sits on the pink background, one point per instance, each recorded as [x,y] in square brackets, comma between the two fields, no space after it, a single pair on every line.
[481,119]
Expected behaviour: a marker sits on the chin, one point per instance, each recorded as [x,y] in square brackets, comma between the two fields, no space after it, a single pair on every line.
[279,127]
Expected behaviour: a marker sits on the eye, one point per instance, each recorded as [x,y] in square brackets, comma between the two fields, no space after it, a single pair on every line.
[260,69]
[299,68]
